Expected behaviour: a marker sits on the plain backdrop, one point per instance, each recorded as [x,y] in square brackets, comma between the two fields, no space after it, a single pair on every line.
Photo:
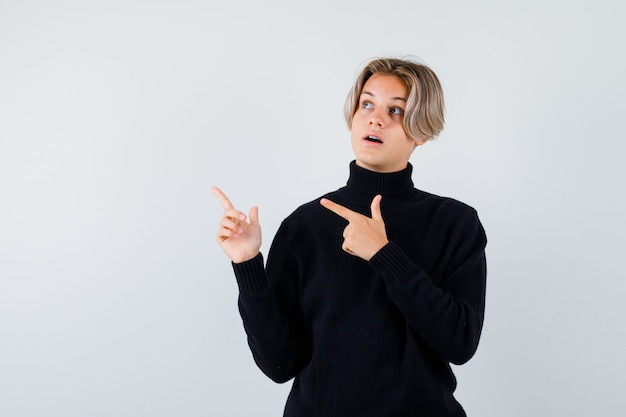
[116,118]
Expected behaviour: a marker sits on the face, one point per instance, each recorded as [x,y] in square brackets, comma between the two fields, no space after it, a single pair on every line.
[379,141]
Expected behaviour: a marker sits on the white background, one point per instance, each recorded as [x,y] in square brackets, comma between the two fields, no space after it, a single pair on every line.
[116,117]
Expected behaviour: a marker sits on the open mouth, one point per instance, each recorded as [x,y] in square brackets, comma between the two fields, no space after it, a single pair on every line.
[373,139]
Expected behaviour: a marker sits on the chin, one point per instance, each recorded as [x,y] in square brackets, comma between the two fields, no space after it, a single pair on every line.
[365,163]
[370,166]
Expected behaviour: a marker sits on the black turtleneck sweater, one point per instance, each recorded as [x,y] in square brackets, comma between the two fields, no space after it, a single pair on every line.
[369,338]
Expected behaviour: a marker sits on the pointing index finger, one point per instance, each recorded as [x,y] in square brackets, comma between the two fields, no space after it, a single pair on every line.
[338,209]
[226,204]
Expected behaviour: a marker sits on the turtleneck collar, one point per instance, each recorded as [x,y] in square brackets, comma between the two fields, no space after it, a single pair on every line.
[370,183]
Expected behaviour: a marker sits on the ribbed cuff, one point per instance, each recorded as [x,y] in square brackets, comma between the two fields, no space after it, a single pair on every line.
[391,262]
[250,275]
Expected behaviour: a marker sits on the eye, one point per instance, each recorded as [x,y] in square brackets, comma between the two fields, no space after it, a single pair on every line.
[367,104]
[396,111]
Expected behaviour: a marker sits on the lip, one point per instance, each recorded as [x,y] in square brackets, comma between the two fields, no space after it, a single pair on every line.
[376,135]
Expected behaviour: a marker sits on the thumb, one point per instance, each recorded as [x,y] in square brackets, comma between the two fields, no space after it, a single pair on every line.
[254,215]
[375,207]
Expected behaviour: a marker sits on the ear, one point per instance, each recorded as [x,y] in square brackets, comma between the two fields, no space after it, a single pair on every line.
[419,142]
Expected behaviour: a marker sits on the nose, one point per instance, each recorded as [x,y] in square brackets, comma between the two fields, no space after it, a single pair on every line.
[376,119]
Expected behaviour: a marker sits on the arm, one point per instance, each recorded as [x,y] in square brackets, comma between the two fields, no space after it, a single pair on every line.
[448,316]
[267,323]
[268,303]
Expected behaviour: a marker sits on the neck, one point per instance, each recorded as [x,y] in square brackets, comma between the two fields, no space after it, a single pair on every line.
[369,183]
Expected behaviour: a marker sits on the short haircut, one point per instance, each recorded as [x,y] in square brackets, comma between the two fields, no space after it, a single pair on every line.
[424,113]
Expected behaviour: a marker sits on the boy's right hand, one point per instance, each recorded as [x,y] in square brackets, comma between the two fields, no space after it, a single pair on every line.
[240,239]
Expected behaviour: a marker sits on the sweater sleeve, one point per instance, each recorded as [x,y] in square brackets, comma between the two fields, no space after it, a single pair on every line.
[448,316]
[271,325]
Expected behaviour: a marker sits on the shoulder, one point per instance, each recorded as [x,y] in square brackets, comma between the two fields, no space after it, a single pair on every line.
[311,210]
[311,216]
[464,220]
[446,206]
[446,212]
[305,224]
[440,200]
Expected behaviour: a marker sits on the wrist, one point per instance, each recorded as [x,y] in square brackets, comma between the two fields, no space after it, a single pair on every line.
[244,258]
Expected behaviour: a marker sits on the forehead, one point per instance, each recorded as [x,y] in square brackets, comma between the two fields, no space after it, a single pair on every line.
[385,85]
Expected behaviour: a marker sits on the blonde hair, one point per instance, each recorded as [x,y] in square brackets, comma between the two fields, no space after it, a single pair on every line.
[424,113]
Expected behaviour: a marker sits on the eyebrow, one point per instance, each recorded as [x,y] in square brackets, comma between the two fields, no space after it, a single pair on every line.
[374,95]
